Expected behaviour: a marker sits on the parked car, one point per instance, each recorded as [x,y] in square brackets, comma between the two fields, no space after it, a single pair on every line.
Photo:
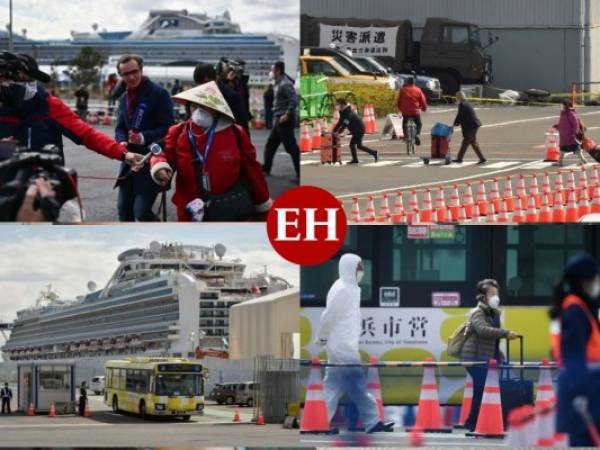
[97,385]
[245,393]
[224,393]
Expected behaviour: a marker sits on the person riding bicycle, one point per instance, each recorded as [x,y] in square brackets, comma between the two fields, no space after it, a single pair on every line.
[349,119]
[411,101]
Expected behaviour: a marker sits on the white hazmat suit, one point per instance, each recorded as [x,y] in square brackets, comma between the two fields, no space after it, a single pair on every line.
[339,329]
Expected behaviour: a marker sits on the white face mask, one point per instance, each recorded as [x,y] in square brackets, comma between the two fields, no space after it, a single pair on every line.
[30,89]
[202,118]
[494,301]
[359,275]
[595,290]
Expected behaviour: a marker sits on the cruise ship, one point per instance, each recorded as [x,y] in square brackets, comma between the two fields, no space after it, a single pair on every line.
[170,38]
[166,299]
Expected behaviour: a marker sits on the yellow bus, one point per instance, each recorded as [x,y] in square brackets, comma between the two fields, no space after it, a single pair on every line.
[155,386]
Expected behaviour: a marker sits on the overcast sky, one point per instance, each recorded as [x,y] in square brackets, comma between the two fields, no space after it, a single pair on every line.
[32,257]
[44,19]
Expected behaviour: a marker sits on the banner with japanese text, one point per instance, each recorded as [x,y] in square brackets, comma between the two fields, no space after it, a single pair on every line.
[372,41]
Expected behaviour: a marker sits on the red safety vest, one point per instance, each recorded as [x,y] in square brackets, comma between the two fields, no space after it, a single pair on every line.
[593,345]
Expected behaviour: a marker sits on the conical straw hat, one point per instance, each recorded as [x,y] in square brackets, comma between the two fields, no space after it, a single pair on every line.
[208,95]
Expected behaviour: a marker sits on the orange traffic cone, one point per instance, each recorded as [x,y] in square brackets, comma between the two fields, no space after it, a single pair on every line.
[552,151]
[468,201]
[367,120]
[572,213]
[545,422]
[508,195]
[454,204]
[558,186]
[584,203]
[522,193]
[545,213]
[374,387]
[316,139]
[546,189]
[429,416]
[373,119]
[518,216]
[596,200]
[583,184]
[489,421]
[532,213]
[31,410]
[52,412]
[106,119]
[413,208]
[516,436]
[594,182]
[315,418]
[503,213]
[465,408]
[426,212]
[558,210]
[545,389]
[462,216]
[236,415]
[260,419]
[87,412]
[495,195]
[370,210]
[534,191]
[416,438]
[476,216]
[305,140]
[570,186]
[481,199]
[355,210]
[384,209]
[440,206]
[397,217]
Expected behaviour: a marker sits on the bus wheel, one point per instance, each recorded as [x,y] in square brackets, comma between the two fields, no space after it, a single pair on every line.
[143,409]
[186,418]
[115,404]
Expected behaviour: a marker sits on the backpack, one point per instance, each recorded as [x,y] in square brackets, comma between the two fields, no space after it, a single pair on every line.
[457,340]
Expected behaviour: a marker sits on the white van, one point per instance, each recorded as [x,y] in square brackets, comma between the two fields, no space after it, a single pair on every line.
[97,385]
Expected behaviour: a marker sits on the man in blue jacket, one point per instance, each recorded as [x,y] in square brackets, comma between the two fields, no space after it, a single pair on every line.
[146,113]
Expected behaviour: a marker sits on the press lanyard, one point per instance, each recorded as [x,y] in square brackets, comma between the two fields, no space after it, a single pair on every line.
[202,157]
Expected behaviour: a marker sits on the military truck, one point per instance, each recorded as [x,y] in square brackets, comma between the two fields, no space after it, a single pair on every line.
[449,49]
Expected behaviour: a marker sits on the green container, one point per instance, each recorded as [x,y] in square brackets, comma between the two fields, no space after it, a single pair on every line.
[313,97]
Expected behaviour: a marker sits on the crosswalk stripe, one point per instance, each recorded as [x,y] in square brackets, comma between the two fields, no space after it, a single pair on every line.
[381,163]
[459,166]
[537,165]
[500,165]
[308,163]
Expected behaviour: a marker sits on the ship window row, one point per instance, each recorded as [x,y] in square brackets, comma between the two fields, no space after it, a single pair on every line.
[210,305]
[133,290]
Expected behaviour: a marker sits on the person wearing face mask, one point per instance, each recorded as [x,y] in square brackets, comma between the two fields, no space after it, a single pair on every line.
[34,118]
[575,338]
[213,157]
[285,104]
[339,331]
[483,340]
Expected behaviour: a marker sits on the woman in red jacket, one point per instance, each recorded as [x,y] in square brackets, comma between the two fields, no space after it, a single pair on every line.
[215,160]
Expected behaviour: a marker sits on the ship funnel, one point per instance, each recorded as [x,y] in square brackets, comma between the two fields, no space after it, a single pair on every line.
[220,250]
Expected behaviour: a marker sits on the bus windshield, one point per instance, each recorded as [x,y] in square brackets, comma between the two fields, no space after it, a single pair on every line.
[178,384]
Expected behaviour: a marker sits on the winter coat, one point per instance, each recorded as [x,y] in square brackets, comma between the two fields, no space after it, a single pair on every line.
[340,323]
[350,120]
[466,118]
[484,333]
[411,101]
[568,127]
[45,119]
[225,164]
[156,119]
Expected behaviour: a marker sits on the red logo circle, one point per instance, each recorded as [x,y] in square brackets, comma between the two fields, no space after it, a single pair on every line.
[306,225]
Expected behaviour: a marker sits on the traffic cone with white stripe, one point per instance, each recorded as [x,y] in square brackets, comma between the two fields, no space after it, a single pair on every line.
[492,214]
[52,412]
[373,118]
[315,419]
[316,138]
[384,210]
[583,184]
[374,387]
[467,400]
[476,216]
[468,201]
[558,210]
[398,216]
[559,188]
[530,428]
[426,212]
[584,203]
[462,216]
[355,210]
[545,213]
[534,191]
[440,207]
[522,193]
[545,424]
[429,416]
[508,195]
[489,421]
[518,216]
[596,200]
[546,189]
[495,195]
[545,389]
[594,181]
[572,213]
[516,436]
[413,207]
[305,140]
[503,214]
[454,204]
[482,199]
[570,186]
[532,213]
[370,210]
[367,120]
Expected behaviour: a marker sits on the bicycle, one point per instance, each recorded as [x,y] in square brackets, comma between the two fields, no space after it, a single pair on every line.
[411,133]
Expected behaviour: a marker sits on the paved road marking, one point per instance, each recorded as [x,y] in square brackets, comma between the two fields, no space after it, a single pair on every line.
[381,163]
[501,164]
[464,164]
[537,165]
[308,163]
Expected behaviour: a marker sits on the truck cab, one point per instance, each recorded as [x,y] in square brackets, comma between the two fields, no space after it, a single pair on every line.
[452,51]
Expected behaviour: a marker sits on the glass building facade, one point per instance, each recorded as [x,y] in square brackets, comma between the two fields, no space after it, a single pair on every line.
[526,260]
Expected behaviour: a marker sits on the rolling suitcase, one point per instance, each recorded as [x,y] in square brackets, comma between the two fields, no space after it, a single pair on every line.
[514,392]
[331,150]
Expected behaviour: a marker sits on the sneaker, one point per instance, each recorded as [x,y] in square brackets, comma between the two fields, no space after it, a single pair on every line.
[481,161]
[382,427]
[376,156]
[457,161]
[417,140]
[352,162]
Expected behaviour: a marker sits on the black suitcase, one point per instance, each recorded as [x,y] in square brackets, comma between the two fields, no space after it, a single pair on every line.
[517,391]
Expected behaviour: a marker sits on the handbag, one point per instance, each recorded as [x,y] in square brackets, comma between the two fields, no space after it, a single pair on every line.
[235,205]
[457,340]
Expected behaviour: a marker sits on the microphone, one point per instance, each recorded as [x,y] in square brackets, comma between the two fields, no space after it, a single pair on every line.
[155,150]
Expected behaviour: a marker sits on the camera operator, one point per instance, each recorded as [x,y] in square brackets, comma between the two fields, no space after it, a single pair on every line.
[203,73]
[238,81]
[34,118]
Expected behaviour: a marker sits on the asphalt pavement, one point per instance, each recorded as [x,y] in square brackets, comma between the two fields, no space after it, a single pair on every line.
[108,429]
[100,199]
